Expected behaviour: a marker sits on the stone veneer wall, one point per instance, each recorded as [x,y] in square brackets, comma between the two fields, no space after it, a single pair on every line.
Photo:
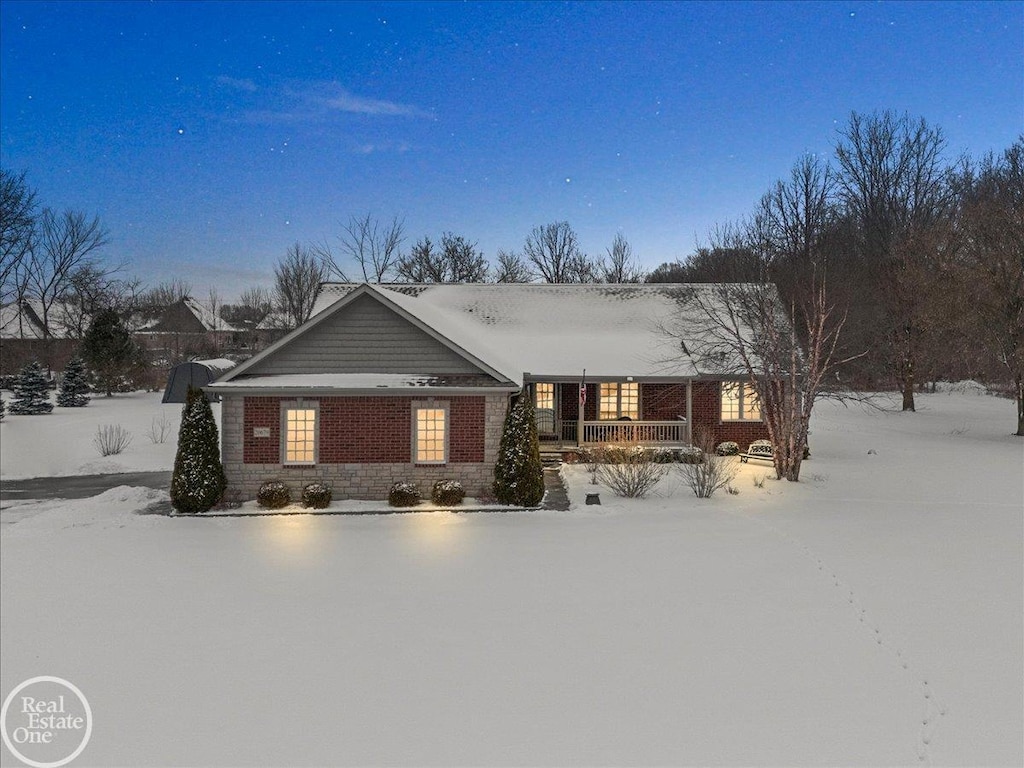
[380,427]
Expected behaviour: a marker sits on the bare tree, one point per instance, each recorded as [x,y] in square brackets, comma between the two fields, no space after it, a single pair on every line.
[168,292]
[297,279]
[620,264]
[63,245]
[456,261]
[90,290]
[993,224]
[554,254]
[253,307]
[373,245]
[788,350]
[893,181]
[511,268]
[17,228]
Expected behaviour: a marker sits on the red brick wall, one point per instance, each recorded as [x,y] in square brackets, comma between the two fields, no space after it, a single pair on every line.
[262,412]
[662,402]
[571,402]
[707,412]
[365,430]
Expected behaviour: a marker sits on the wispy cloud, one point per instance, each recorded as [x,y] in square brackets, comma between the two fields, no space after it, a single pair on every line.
[388,146]
[317,102]
[239,84]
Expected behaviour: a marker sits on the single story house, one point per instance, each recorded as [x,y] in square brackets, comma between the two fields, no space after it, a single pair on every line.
[409,382]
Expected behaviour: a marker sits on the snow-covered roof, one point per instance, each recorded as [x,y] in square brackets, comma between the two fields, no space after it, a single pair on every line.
[358,382]
[217,364]
[549,330]
[24,320]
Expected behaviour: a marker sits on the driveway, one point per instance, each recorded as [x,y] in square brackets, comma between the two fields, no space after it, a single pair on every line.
[78,486]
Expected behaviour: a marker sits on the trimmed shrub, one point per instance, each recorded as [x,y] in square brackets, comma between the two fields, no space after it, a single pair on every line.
[316,495]
[690,454]
[404,495]
[31,392]
[74,389]
[198,481]
[447,493]
[727,448]
[663,455]
[273,494]
[518,473]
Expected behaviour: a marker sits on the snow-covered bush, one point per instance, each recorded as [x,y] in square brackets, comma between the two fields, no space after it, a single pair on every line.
[404,495]
[518,473]
[690,454]
[447,493]
[198,481]
[74,389]
[727,448]
[3,409]
[663,455]
[715,472]
[111,439]
[628,469]
[316,495]
[31,392]
[273,494]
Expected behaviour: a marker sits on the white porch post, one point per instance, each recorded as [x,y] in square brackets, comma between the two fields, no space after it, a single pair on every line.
[689,411]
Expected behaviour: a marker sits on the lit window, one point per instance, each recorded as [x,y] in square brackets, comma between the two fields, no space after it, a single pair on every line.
[299,432]
[544,394]
[618,400]
[739,402]
[430,439]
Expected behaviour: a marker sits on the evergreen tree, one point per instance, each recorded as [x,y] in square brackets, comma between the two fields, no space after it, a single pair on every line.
[31,392]
[519,474]
[74,389]
[108,348]
[198,481]
[3,409]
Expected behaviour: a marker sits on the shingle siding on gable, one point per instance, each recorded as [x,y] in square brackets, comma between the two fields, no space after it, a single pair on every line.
[364,337]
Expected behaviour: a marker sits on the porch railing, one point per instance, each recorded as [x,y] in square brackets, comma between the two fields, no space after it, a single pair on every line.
[643,432]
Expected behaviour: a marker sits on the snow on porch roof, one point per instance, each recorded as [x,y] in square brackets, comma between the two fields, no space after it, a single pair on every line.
[361,382]
[548,330]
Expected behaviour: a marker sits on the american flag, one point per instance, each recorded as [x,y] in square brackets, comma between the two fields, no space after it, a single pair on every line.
[583,390]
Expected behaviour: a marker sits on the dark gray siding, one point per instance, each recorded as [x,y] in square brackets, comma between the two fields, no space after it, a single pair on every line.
[364,337]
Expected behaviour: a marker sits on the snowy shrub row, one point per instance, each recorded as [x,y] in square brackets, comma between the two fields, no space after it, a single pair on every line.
[445,493]
[274,494]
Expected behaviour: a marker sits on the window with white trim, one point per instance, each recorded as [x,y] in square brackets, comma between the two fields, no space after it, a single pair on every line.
[430,433]
[300,428]
[617,400]
[739,402]
[544,395]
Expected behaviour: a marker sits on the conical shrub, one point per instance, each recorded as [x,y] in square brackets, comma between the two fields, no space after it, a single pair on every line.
[74,389]
[198,481]
[519,474]
[31,392]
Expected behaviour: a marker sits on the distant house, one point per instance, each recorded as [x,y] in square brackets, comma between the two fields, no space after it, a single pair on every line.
[24,336]
[412,382]
[183,330]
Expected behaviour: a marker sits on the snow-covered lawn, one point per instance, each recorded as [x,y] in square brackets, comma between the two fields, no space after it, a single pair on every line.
[870,615]
[61,442]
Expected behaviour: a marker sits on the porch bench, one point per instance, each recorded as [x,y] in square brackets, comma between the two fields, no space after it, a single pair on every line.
[759,449]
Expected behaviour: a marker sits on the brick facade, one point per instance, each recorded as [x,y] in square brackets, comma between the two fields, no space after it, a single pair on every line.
[707,411]
[365,444]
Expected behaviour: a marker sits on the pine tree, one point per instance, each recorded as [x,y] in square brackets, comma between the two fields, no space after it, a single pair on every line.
[74,389]
[31,392]
[3,409]
[198,481]
[519,474]
[108,348]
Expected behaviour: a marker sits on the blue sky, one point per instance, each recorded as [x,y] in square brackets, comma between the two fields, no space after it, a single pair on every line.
[210,136]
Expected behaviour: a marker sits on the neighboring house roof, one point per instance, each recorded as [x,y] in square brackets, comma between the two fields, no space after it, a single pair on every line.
[24,320]
[184,316]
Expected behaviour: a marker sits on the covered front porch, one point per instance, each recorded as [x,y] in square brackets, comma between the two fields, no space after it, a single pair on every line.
[656,413]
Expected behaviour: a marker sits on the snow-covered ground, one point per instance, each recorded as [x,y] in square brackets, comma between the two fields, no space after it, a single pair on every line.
[869,615]
[61,442]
